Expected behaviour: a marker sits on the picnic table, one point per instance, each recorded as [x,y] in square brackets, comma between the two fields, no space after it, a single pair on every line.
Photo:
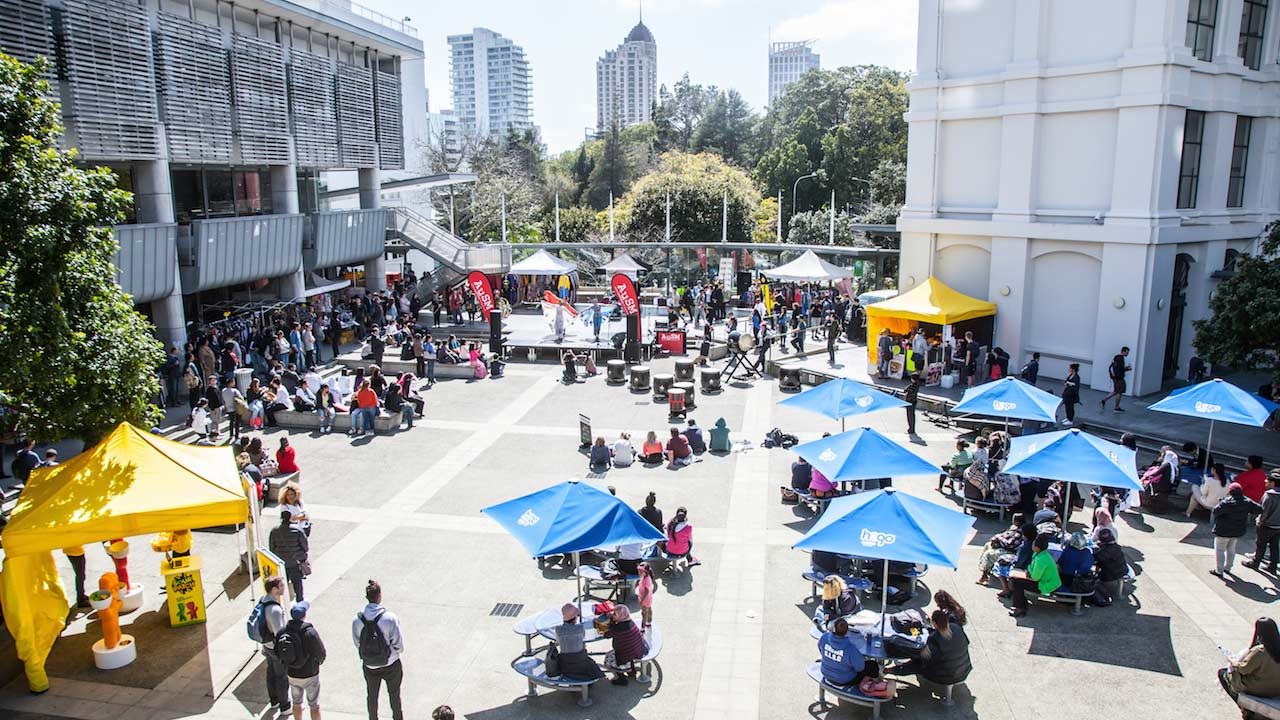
[864,633]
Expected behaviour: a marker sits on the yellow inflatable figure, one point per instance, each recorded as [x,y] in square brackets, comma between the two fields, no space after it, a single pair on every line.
[110,616]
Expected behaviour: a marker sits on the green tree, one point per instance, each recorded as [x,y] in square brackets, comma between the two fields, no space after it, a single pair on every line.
[503,179]
[679,112]
[77,359]
[726,128]
[613,171]
[779,169]
[814,228]
[696,184]
[577,224]
[1244,329]
[765,221]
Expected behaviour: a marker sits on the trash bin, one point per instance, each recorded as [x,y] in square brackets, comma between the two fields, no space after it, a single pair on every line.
[244,376]
[184,590]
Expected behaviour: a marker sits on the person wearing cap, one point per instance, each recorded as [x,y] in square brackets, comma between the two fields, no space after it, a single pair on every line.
[575,663]
[304,674]
[1111,566]
[1230,521]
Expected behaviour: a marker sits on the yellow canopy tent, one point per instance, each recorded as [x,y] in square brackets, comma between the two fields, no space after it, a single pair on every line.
[130,483]
[931,302]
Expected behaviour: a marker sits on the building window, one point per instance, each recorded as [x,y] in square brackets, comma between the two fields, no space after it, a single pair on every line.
[220,192]
[1253,23]
[1189,173]
[1201,16]
[1239,161]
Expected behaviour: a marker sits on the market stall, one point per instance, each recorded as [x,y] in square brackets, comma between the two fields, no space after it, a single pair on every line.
[944,313]
[131,483]
[808,268]
[624,264]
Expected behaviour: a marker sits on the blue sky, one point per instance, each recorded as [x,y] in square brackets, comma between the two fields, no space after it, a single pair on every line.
[720,42]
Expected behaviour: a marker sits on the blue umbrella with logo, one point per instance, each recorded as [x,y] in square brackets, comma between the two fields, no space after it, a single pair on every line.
[1215,400]
[1073,456]
[862,454]
[571,517]
[1008,398]
[890,525]
[842,398]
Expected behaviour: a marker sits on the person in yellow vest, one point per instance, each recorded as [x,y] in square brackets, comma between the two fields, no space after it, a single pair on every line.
[75,554]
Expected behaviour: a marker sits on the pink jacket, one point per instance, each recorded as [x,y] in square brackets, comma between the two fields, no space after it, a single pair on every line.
[644,591]
[678,542]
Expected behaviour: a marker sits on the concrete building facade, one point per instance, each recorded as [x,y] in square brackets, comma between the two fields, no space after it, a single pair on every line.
[788,62]
[492,84]
[627,81]
[1093,167]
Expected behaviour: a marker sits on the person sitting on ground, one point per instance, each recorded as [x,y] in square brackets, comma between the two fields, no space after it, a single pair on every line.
[1210,491]
[838,601]
[678,450]
[945,657]
[1257,670]
[599,458]
[960,462]
[623,452]
[1111,566]
[575,663]
[679,543]
[651,450]
[286,457]
[396,406]
[570,367]
[842,661]
[628,643]
[1004,543]
[1041,577]
[1076,560]
[693,434]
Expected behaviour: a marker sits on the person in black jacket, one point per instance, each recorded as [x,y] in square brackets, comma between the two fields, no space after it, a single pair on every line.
[309,655]
[289,543]
[838,600]
[910,396]
[1071,392]
[945,657]
[1230,521]
[1108,558]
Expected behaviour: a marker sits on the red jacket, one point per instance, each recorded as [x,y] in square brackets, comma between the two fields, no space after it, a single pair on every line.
[285,459]
[1254,484]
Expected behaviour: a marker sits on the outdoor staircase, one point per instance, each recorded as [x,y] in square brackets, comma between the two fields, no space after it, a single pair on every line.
[455,257]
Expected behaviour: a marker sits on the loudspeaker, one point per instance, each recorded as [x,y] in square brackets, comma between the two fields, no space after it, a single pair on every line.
[744,281]
[495,333]
[633,328]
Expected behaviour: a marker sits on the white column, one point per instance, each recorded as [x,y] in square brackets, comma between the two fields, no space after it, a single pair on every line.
[1215,161]
[375,269]
[1122,288]
[1226,36]
[1008,290]
[153,201]
[1028,18]
[915,261]
[284,201]
[1017,195]
[1147,157]
[1162,25]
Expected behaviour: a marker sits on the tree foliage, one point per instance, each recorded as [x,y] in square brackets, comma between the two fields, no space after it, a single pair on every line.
[814,228]
[696,184]
[509,172]
[77,358]
[1243,331]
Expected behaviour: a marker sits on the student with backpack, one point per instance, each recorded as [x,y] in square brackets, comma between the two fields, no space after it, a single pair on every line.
[265,623]
[376,632]
[302,652]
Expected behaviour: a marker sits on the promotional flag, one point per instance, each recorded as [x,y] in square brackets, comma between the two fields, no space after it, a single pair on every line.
[480,287]
[625,290]
[767,294]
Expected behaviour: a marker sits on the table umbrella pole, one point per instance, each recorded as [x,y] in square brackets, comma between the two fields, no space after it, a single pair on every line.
[577,566]
[884,599]
[1208,448]
[842,426]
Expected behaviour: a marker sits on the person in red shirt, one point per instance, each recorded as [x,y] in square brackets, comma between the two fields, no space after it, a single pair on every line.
[366,409]
[678,450]
[1253,481]
[286,457]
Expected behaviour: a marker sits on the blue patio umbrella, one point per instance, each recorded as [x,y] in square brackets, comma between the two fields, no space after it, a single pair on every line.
[842,398]
[571,517]
[1215,400]
[890,525]
[1007,398]
[1073,456]
[862,454]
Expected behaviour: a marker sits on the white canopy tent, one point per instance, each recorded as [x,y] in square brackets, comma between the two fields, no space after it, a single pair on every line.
[624,264]
[807,268]
[542,263]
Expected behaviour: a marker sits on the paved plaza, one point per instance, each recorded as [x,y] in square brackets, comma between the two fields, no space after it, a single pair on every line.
[404,509]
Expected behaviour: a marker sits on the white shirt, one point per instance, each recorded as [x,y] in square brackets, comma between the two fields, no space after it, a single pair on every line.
[623,453]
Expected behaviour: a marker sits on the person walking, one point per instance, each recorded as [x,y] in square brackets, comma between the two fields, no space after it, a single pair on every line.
[335,334]
[302,651]
[232,400]
[419,355]
[1071,392]
[1230,520]
[25,460]
[289,543]
[429,354]
[911,395]
[266,622]
[1031,371]
[75,556]
[379,642]
[1268,526]
[831,326]
[1116,371]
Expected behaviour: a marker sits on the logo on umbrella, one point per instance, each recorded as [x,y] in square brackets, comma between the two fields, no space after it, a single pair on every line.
[827,455]
[864,401]
[1003,405]
[1114,458]
[528,518]
[872,538]
[1204,407]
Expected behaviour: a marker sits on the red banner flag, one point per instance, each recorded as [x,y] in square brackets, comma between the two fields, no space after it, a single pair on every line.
[626,292]
[480,287]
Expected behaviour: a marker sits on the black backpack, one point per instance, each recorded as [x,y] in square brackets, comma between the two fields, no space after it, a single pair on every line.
[290,648]
[374,649]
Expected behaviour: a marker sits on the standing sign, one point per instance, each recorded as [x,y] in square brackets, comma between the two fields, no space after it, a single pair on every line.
[184,591]
[625,290]
[726,269]
[584,430]
[482,290]
[269,565]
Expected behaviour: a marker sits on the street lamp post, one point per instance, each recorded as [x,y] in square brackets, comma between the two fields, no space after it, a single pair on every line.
[871,190]
[796,185]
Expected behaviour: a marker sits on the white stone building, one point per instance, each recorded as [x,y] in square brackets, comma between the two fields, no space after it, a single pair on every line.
[1092,167]
[627,80]
[788,61]
[492,83]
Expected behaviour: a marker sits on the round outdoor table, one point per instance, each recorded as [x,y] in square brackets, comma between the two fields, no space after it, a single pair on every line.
[547,622]
[640,377]
[690,403]
[684,370]
[662,382]
[616,372]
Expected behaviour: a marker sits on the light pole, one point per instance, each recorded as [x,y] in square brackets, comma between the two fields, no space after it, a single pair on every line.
[871,189]
[796,185]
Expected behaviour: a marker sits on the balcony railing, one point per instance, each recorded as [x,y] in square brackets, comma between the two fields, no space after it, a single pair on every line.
[146,260]
[401,26]
[229,251]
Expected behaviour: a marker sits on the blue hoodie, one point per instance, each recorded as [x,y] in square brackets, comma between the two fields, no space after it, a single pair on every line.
[841,659]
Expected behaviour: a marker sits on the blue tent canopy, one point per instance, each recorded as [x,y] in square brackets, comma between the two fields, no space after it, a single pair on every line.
[1073,456]
[890,525]
[571,517]
[1009,398]
[862,454]
[1217,400]
[842,398]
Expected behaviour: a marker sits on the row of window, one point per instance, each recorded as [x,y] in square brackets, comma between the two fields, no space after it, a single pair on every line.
[1202,19]
[1192,146]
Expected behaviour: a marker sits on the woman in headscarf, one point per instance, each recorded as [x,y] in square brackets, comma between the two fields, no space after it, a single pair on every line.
[575,664]
[628,644]
[1257,670]
[1102,519]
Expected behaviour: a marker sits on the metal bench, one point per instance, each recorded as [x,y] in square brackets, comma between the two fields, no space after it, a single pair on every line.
[1259,706]
[593,578]
[986,506]
[849,694]
[534,669]
[817,504]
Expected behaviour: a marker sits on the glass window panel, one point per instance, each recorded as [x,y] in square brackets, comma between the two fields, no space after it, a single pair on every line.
[220,193]
[188,195]
[248,192]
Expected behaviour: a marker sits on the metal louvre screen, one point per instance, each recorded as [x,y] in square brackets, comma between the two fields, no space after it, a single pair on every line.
[24,30]
[107,51]
[355,117]
[194,75]
[311,100]
[262,113]
[390,122]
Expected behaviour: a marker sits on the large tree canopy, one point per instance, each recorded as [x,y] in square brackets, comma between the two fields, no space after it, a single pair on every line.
[1244,330]
[77,358]
[697,185]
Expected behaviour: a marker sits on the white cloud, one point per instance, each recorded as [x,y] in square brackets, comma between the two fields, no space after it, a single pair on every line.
[858,31]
